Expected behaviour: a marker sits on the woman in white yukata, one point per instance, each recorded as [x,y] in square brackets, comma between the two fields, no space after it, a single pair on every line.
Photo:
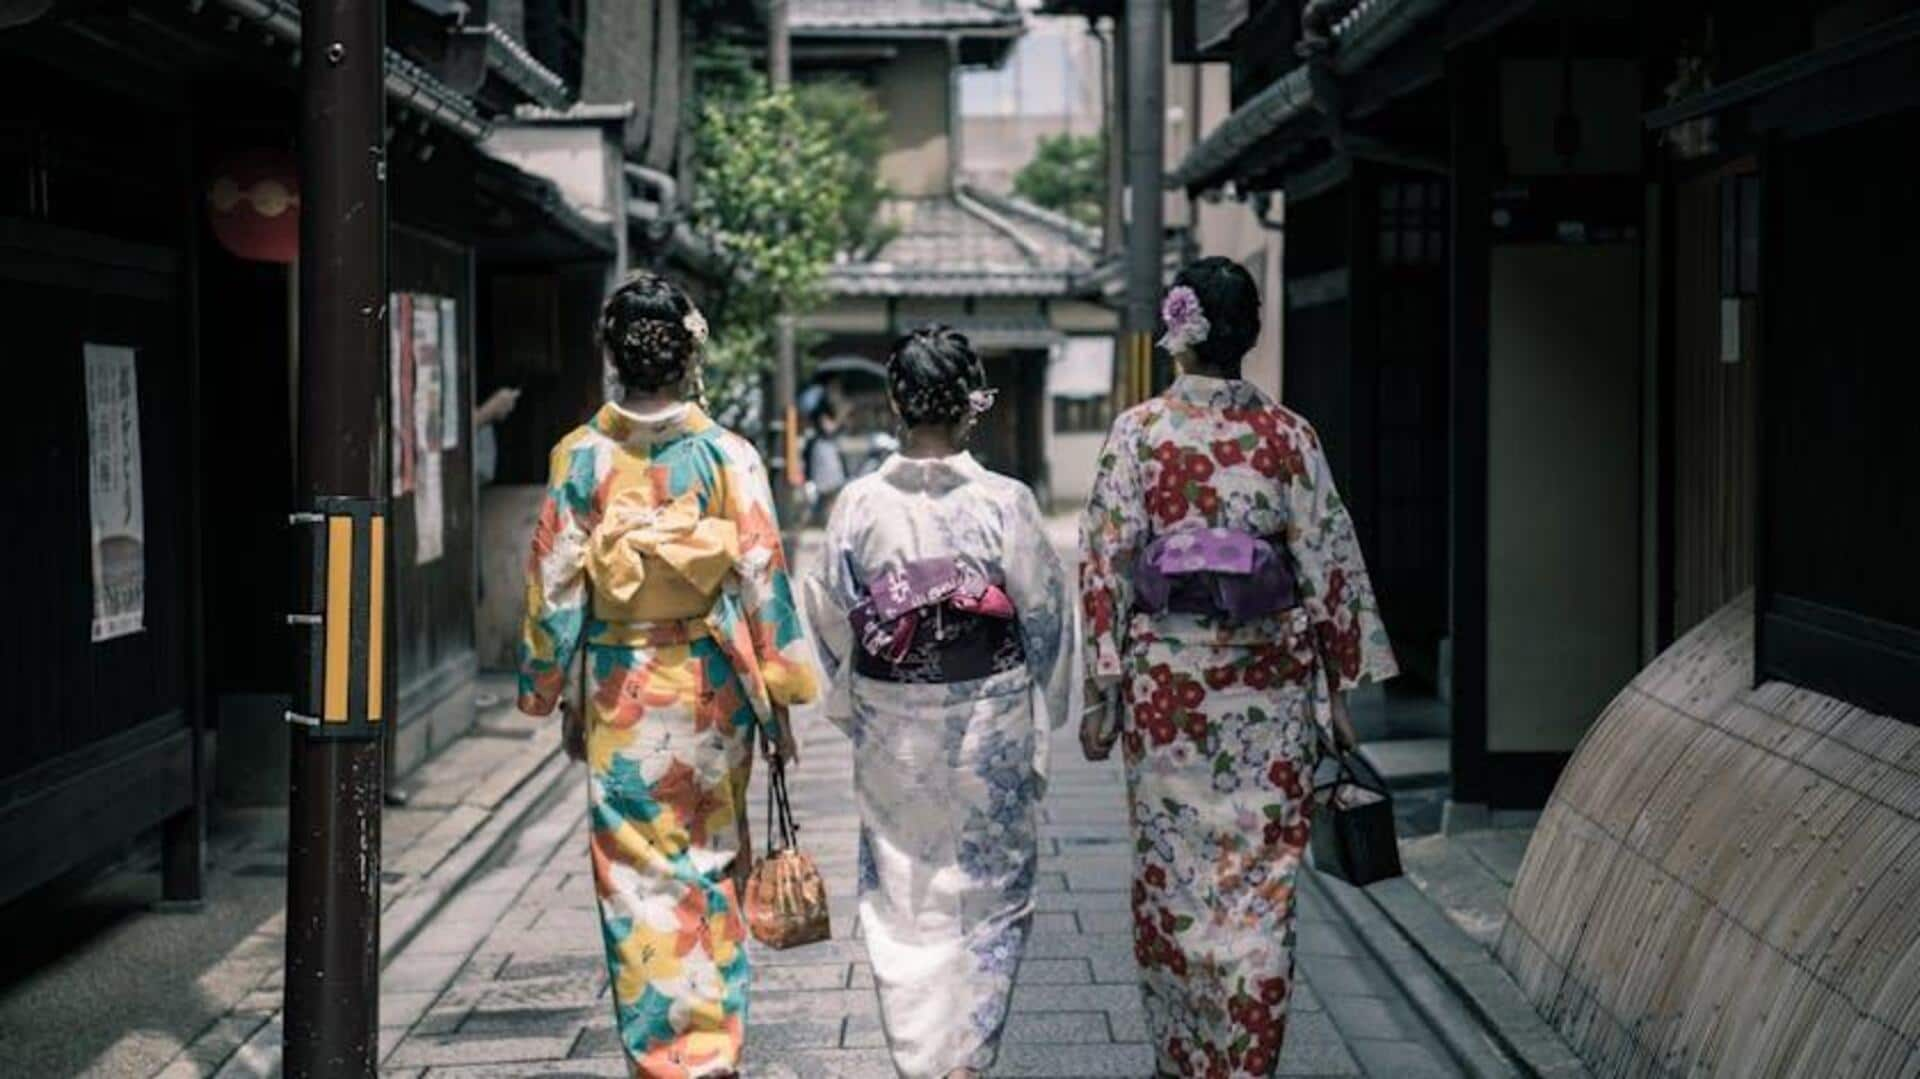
[947,626]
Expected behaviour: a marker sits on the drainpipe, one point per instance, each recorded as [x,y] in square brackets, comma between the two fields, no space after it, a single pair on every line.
[1146,175]
[956,141]
[1113,56]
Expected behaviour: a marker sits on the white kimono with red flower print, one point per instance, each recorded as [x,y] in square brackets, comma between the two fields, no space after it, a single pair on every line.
[1222,721]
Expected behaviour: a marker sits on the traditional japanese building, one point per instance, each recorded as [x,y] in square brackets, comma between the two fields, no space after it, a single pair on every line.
[149,270]
[1008,274]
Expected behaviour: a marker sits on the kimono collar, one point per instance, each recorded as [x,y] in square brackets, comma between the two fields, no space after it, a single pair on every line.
[652,428]
[1217,393]
[934,474]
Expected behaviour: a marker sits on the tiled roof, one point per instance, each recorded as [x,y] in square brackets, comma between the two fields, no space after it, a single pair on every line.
[957,247]
[821,17]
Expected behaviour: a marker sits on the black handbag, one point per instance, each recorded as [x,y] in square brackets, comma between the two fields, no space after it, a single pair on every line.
[1353,836]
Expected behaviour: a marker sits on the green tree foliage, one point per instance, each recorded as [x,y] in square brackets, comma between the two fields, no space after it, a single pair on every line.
[785,183]
[852,111]
[1068,175]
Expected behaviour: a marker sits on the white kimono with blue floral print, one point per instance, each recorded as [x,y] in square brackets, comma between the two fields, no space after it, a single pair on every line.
[947,775]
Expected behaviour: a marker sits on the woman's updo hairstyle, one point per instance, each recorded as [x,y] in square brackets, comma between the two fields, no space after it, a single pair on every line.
[1231,301]
[645,328]
[933,374]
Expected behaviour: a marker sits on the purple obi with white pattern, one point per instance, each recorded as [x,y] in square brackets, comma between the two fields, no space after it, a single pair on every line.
[1220,572]
[934,620]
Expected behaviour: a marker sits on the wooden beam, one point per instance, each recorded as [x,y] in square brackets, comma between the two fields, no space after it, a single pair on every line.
[1473,89]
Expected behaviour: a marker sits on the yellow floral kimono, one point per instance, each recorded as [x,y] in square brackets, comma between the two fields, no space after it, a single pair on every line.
[657,548]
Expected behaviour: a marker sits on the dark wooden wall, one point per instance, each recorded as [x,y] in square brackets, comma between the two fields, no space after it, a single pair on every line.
[1712,454]
[1840,510]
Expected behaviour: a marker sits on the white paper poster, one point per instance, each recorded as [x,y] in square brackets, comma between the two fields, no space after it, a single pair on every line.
[450,399]
[429,504]
[115,492]
[429,510]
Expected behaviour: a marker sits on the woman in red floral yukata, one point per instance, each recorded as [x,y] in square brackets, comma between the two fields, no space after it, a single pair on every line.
[1227,613]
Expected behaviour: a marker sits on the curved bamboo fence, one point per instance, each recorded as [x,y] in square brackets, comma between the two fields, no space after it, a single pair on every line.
[1727,879]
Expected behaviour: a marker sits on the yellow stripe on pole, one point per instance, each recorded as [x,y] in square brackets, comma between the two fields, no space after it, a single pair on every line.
[376,617]
[339,616]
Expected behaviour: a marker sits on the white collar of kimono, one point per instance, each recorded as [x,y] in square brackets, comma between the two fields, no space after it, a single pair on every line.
[930,473]
[1207,391]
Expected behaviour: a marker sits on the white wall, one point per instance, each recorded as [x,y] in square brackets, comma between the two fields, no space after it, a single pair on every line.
[1563,490]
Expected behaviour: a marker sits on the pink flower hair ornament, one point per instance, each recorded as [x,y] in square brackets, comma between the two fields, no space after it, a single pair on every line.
[1186,321]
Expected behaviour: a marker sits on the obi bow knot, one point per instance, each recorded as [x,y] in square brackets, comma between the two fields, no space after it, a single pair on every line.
[660,561]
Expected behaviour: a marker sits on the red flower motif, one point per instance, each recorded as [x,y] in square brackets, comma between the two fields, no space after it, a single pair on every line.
[1258,676]
[1282,772]
[1227,451]
[1271,833]
[1220,677]
[1162,675]
[1162,731]
[1155,876]
[1169,507]
[1256,1062]
[1273,992]
[1266,462]
[1198,467]
[1189,693]
[1167,453]
[1295,835]
[1263,421]
[1207,501]
[1197,726]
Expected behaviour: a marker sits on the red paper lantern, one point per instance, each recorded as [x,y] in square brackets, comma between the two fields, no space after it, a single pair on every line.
[253,204]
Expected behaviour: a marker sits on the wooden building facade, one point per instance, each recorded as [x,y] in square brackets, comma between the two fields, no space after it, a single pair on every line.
[148,279]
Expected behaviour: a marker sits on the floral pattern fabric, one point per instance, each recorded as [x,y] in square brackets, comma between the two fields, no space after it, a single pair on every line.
[947,775]
[1222,720]
[656,550]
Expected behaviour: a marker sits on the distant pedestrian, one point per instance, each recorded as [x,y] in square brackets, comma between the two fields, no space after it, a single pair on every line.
[825,461]
[947,622]
[1228,612]
[657,548]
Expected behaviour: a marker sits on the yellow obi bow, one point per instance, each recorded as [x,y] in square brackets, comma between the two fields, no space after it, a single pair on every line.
[658,563]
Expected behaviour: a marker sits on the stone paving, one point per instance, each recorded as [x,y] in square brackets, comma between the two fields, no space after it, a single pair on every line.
[510,979]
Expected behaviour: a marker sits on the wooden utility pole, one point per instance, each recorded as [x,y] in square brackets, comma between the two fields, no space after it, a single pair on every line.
[1146,164]
[783,429]
[342,690]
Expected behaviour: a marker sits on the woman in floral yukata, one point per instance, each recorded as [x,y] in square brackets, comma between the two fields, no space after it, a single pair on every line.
[657,549]
[1227,613]
[947,623]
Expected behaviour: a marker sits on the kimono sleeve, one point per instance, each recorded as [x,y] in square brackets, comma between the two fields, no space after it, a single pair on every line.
[831,593]
[1111,533]
[1038,587]
[556,579]
[1347,630]
[766,589]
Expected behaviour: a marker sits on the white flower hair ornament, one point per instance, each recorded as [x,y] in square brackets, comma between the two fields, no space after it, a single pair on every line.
[696,325]
[980,401]
[1186,321]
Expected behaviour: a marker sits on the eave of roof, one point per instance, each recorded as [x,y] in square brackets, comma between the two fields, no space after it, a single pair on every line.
[1359,36]
[901,18]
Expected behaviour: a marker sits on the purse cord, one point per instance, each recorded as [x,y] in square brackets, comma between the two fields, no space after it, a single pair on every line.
[779,810]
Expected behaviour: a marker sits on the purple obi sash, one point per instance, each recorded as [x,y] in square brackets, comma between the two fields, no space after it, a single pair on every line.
[934,620]
[1213,571]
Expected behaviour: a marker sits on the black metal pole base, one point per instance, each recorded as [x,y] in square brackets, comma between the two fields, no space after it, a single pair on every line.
[333,902]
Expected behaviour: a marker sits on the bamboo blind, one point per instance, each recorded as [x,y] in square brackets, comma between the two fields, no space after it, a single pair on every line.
[1724,880]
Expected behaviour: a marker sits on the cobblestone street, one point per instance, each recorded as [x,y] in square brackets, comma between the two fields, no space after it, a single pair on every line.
[509,978]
